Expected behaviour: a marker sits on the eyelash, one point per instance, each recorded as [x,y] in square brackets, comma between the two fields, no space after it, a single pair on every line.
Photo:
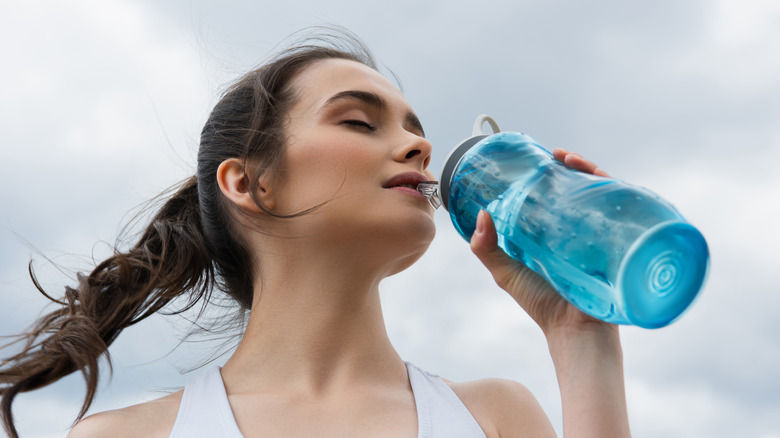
[360,123]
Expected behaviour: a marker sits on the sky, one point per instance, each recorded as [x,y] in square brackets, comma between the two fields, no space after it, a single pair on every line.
[102,105]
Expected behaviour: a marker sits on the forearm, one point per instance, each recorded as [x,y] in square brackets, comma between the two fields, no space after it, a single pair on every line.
[589,366]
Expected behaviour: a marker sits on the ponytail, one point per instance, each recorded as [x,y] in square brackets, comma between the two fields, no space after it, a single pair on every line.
[170,259]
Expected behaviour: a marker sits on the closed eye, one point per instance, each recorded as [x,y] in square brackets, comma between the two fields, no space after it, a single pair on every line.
[359,123]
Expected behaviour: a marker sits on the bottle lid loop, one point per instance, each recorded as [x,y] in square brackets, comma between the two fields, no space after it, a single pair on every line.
[480,122]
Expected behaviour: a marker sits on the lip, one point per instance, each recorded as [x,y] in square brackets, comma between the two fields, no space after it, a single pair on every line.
[408,191]
[411,178]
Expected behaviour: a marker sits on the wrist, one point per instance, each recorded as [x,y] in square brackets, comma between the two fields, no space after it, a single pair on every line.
[588,362]
[587,342]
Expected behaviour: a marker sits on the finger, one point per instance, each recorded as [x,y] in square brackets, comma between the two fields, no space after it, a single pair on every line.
[560,154]
[575,161]
[484,244]
[578,163]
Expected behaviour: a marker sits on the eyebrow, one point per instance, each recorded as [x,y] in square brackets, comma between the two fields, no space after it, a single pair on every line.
[375,100]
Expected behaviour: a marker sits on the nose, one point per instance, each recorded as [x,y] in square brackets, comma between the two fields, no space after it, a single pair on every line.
[414,148]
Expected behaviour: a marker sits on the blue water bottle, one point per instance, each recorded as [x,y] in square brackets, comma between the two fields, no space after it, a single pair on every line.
[617,252]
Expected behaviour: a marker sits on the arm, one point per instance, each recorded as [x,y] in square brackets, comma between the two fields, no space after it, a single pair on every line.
[589,366]
[586,352]
[154,418]
[110,423]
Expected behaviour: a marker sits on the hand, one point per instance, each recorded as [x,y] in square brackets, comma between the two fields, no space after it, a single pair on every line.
[531,291]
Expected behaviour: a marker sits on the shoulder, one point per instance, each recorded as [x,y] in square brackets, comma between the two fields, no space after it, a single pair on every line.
[503,407]
[151,419]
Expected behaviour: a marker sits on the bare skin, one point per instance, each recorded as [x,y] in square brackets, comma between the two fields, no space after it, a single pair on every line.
[316,359]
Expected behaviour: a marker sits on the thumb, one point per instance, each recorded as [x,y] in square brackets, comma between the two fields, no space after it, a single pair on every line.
[484,244]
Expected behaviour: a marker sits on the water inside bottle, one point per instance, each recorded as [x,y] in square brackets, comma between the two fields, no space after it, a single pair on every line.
[582,280]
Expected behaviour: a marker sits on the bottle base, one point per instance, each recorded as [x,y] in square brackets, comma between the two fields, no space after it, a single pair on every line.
[662,274]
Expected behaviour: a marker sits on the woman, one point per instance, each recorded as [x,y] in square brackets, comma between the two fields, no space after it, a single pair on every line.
[302,203]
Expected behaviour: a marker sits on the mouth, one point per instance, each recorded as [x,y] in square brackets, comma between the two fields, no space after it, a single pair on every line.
[407,185]
[408,179]
[407,182]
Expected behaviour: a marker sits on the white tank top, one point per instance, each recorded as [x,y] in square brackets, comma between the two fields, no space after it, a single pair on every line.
[205,411]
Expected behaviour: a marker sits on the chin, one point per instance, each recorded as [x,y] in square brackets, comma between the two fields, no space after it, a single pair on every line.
[393,239]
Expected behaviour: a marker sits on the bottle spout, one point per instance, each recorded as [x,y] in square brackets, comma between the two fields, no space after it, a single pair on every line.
[430,189]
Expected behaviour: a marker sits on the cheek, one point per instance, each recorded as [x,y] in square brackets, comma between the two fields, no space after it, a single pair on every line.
[314,175]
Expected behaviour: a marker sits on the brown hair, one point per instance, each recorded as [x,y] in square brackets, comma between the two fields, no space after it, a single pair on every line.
[189,249]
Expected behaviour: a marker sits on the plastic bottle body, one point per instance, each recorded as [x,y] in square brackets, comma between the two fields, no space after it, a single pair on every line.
[617,252]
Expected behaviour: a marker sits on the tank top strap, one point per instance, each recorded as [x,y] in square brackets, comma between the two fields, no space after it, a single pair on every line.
[205,410]
[440,413]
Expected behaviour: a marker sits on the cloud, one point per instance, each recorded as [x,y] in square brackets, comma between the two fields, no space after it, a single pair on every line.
[103,103]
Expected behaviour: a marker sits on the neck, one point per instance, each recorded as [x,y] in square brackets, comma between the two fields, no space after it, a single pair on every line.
[314,325]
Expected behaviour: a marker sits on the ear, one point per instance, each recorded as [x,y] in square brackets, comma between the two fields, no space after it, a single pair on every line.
[234,183]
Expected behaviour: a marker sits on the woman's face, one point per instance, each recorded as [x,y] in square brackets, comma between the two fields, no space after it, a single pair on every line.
[354,142]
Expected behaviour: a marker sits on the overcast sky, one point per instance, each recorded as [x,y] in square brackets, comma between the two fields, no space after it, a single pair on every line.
[102,104]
